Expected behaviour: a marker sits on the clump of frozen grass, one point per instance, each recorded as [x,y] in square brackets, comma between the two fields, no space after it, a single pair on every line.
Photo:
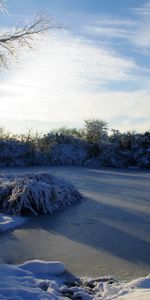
[35,194]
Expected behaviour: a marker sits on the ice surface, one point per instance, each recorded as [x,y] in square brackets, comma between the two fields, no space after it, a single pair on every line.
[116,207]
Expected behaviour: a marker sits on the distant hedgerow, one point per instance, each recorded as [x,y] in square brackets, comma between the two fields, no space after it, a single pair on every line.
[95,145]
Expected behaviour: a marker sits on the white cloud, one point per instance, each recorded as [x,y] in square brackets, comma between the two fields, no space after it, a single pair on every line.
[61,85]
[122,110]
[142,38]
[65,68]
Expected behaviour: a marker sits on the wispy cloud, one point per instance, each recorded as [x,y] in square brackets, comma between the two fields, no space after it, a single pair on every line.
[111,27]
[144,10]
[69,79]
[135,30]
[66,64]
[112,32]
[141,38]
[63,82]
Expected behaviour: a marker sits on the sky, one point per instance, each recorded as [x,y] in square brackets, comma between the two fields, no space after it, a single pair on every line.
[95,66]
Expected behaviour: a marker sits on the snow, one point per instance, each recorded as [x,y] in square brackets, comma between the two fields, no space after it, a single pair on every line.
[8,222]
[137,295]
[49,280]
[35,193]
[138,289]
[54,268]
[17,284]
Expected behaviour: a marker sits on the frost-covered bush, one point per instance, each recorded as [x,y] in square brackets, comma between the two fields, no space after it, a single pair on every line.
[67,154]
[121,160]
[142,158]
[60,136]
[110,157]
[16,153]
[35,194]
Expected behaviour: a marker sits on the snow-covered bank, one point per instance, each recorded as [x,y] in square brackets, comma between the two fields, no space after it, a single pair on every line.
[10,222]
[40,280]
[35,194]
[25,281]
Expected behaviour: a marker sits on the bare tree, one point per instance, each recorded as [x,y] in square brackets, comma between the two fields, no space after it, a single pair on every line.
[22,36]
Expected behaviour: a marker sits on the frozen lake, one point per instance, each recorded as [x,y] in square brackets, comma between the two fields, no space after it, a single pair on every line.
[107,233]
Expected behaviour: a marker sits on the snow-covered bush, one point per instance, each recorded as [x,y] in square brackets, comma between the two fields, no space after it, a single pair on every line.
[16,153]
[142,158]
[35,194]
[67,154]
[121,160]
[110,158]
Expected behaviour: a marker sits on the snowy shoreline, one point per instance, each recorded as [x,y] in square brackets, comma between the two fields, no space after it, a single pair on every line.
[49,280]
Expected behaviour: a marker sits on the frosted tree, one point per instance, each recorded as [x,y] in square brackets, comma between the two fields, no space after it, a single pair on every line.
[95,130]
[21,36]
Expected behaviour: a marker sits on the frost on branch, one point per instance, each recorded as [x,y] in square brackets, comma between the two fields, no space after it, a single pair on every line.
[22,36]
[35,194]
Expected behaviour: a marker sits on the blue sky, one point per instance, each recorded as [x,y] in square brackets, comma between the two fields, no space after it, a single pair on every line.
[96,66]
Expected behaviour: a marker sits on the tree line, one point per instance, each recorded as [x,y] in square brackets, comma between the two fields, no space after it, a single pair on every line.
[94,145]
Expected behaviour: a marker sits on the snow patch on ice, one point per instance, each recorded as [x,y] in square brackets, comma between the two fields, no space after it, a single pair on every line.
[8,222]
[36,266]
